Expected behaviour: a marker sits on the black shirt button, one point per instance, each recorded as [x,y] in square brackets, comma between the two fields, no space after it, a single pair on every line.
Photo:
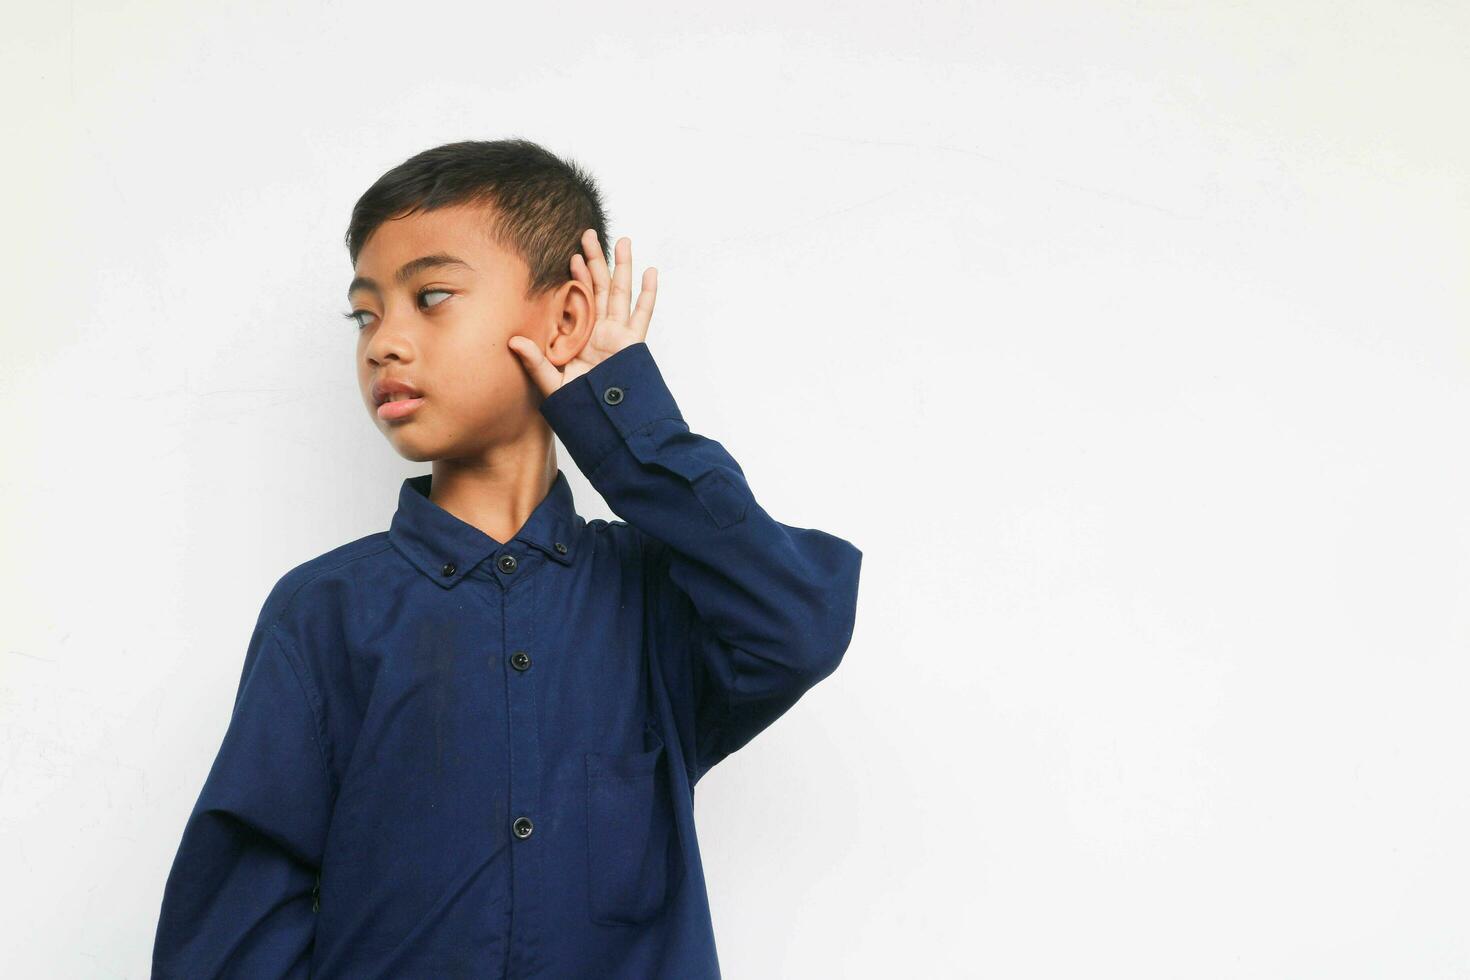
[448,569]
[613,395]
[507,563]
[520,660]
[561,549]
[522,827]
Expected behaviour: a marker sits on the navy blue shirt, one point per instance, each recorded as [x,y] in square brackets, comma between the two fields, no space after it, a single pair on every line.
[455,757]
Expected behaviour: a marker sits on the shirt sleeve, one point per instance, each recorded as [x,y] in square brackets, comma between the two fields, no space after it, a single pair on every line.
[760,610]
[239,900]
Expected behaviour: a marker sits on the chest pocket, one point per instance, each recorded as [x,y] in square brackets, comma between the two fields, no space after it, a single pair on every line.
[634,862]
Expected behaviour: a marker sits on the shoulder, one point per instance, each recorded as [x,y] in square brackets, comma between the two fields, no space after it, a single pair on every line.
[630,544]
[296,589]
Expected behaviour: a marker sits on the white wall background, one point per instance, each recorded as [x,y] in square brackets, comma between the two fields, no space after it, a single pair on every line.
[1128,340]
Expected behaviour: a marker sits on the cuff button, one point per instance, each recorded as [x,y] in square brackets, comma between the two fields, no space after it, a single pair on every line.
[613,395]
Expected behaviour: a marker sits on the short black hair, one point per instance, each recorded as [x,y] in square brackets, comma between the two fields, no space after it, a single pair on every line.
[538,204]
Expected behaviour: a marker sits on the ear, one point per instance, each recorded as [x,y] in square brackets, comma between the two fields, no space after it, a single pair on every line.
[573,315]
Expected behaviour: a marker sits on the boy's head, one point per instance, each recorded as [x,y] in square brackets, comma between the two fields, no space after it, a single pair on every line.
[512,214]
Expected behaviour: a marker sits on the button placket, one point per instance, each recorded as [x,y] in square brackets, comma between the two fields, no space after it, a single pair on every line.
[520,576]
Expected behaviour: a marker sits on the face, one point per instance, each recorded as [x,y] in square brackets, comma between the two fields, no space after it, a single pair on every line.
[443,329]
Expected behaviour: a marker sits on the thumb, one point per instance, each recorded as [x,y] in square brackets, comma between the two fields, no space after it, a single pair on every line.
[542,372]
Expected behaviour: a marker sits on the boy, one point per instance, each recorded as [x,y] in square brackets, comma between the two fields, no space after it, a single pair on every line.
[467,746]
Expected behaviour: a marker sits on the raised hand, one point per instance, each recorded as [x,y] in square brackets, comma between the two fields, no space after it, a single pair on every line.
[616,326]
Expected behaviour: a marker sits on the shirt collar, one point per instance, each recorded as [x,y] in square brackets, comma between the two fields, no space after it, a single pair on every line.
[447,549]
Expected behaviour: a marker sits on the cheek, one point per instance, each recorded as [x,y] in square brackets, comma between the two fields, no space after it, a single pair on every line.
[475,375]
[486,383]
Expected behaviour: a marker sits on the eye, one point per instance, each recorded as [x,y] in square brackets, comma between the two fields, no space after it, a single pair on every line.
[421,294]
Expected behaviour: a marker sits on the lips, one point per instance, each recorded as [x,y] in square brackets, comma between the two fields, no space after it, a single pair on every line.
[400,408]
[396,398]
[384,390]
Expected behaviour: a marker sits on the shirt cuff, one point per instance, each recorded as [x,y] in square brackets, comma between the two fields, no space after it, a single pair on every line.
[597,412]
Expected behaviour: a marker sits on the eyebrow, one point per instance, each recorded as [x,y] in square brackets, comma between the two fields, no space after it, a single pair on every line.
[410,269]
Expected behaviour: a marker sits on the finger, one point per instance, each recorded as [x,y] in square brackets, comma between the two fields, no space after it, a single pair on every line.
[580,273]
[643,312]
[597,266]
[621,292]
[542,372]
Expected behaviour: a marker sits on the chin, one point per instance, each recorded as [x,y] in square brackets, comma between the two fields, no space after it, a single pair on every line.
[411,449]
